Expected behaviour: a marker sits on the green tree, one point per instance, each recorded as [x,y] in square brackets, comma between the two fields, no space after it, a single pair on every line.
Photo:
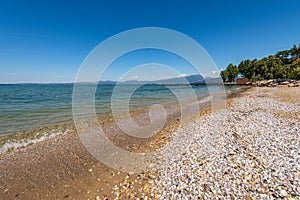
[295,69]
[295,73]
[284,64]
[224,75]
[294,53]
[232,71]
[284,56]
[275,68]
[260,69]
[246,68]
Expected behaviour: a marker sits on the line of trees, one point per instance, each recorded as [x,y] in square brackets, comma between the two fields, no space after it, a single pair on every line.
[283,65]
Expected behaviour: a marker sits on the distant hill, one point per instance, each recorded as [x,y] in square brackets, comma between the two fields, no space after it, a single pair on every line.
[192,79]
[181,80]
[108,82]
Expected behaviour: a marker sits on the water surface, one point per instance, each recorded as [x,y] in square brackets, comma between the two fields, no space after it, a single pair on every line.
[26,107]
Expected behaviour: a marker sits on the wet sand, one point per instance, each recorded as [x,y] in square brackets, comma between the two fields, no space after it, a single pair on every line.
[62,168]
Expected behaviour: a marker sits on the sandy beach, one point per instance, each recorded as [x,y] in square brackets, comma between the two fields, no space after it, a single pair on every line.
[253,154]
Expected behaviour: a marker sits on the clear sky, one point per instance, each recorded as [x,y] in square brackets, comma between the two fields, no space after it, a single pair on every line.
[46,41]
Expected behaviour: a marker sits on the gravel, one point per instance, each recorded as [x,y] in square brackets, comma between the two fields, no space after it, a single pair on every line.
[246,151]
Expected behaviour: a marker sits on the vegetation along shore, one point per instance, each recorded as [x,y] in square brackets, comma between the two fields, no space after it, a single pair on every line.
[281,66]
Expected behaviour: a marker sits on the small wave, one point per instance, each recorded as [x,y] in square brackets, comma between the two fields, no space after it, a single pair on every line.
[205,99]
[10,145]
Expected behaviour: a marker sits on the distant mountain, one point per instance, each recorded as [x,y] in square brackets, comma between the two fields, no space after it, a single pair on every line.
[108,82]
[132,82]
[213,80]
[181,80]
[192,79]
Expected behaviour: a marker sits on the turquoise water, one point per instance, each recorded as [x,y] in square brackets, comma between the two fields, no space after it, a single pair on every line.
[26,107]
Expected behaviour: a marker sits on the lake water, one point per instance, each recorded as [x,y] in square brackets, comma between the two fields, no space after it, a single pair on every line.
[26,107]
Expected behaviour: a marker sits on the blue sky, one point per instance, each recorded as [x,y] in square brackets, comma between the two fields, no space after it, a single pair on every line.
[46,41]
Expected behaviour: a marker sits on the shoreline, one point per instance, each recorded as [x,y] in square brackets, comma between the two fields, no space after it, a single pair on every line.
[67,170]
[12,140]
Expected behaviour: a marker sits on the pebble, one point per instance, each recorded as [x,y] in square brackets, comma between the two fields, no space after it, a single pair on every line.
[246,151]
[250,150]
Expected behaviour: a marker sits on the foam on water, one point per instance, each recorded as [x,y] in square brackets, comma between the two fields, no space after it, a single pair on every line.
[34,107]
[9,145]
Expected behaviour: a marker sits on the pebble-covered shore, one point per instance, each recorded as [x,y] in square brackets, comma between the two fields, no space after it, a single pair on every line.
[250,150]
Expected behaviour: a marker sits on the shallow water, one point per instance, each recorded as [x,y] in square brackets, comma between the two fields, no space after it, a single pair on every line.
[25,107]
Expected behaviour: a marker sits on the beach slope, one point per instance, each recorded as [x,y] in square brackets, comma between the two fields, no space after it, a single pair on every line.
[250,150]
